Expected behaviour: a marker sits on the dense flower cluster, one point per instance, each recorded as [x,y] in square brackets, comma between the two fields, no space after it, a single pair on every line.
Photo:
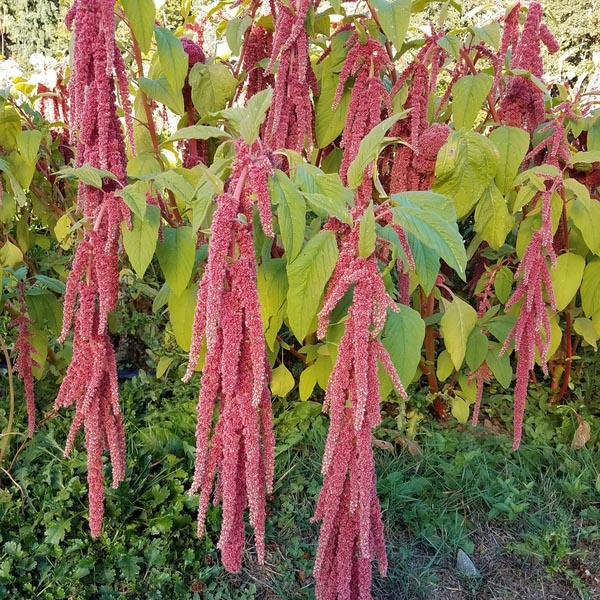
[290,119]
[24,363]
[370,101]
[258,47]
[92,287]
[522,105]
[352,530]
[240,451]
[414,161]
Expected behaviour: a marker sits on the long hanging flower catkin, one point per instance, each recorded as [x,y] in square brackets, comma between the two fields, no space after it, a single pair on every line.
[92,288]
[240,451]
[522,105]
[290,119]
[352,530]
[24,363]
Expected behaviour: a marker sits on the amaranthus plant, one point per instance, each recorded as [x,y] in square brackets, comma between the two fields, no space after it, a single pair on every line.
[351,200]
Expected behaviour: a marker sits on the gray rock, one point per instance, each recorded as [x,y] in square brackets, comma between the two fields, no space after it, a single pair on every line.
[465,566]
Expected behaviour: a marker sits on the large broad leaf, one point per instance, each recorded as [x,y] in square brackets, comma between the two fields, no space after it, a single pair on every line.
[141,14]
[590,288]
[585,215]
[468,94]
[402,337]
[181,315]
[28,143]
[45,310]
[369,149]
[393,17]
[134,195]
[477,348]
[499,365]
[176,255]
[457,323]
[140,240]
[272,285]
[566,278]
[427,262]
[464,169]
[213,86]
[308,275]
[493,222]
[235,33]
[291,213]
[161,91]
[431,219]
[282,381]
[173,58]
[250,117]
[198,132]
[512,144]
[329,123]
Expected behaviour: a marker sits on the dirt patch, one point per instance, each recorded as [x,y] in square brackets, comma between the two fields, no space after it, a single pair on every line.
[504,576]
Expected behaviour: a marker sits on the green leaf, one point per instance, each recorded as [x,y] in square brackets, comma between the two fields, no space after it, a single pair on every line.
[499,365]
[141,14]
[585,328]
[393,17]
[464,169]
[584,158]
[585,215]
[444,366]
[308,380]
[173,58]
[427,262]
[493,222]
[460,409]
[86,174]
[590,288]
[369,150]
[161,91]
[213,86]
[130,566]
[431,219]
[282,381]
[512,144]
[234,33]
[403,336]
[28,143]
[468,94]
[503,284]
[456,325]
[163,364]
[45,310]
[308,275]
[140,241]
[10,255]
[181,315]
[566,278]
[477,349]
[329,123]
[175,182]
[198,132]
[291,213]
[366,232]
[176,255]
[254,115]
[55,532]
[272,285]
[134,195]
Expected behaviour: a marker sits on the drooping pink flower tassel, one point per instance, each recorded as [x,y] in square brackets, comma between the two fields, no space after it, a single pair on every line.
[92,288]
[240,451]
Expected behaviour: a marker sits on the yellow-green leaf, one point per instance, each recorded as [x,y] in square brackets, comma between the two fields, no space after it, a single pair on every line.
[282,381]
[456,324]
[566,278]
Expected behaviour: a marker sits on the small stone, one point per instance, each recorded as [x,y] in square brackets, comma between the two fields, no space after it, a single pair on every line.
[465,566]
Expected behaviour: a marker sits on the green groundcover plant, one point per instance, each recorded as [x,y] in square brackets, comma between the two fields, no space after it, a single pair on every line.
[344,201]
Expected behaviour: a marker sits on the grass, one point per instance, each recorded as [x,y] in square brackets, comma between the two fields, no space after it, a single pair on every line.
[530,520]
